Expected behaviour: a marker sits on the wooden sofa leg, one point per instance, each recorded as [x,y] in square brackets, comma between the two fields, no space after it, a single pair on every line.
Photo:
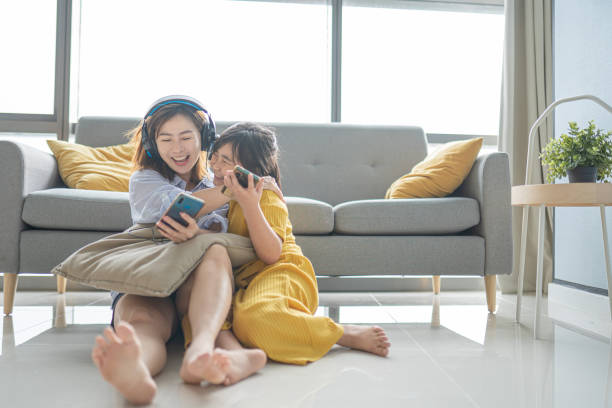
[10,287]
[491,287]
[61,284]
[436,284]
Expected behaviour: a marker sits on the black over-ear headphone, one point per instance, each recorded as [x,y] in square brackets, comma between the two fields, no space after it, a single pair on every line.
[208,134]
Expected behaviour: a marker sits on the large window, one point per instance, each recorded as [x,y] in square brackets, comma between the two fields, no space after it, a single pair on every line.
[435,64]
[245,60]
[27,55]
[434,68]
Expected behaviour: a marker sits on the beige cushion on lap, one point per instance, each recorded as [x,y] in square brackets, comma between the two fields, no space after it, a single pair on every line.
[141,262]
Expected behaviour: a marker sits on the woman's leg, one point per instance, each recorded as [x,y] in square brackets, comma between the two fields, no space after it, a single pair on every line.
[205,298]
[135,351]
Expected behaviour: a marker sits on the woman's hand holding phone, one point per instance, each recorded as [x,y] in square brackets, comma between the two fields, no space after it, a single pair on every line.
[177,232]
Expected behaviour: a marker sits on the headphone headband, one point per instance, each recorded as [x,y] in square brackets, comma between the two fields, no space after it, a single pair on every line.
[208,133]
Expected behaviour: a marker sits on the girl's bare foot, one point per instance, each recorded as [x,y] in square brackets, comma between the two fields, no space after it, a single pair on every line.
[118,357]
[372,339]
[198,366]
[239,364]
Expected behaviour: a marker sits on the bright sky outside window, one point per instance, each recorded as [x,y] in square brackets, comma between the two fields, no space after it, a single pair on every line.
[27,71]
[244,60]
[436,69]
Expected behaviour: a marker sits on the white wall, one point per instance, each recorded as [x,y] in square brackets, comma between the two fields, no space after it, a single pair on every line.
[582,54]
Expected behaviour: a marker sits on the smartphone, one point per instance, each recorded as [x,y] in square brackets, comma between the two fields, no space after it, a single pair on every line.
[242,176]
[184,203]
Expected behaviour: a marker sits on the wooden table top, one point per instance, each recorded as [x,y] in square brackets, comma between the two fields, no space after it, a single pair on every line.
[563,195]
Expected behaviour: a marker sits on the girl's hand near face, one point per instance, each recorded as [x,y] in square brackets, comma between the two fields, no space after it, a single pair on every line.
[267,243]
[249,197]
[175,231]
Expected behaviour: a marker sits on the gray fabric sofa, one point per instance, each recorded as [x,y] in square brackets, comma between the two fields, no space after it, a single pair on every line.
[334,177]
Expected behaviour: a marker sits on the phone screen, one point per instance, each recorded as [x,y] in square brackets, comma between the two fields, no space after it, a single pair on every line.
[184,203]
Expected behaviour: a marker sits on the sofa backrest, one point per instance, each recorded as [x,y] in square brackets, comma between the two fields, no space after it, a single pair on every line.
[333,162]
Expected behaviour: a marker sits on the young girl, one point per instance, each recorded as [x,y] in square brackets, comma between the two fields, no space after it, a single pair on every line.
[168,162]
[277,295]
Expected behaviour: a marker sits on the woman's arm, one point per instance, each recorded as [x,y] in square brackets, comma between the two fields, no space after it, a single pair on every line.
[267,243]
[151,195]
[213,199]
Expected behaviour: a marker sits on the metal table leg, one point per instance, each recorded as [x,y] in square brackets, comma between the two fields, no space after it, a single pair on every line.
[521,277]
[604,229]
[536,322]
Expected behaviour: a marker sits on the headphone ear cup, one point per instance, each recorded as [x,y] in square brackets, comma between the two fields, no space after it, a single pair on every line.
[209,135]
[213,138]
[146,142]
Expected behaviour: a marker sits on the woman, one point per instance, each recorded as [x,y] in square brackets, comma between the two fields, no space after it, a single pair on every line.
[169,143]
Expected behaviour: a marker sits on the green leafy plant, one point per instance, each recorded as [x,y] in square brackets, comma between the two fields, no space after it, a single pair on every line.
[588,147]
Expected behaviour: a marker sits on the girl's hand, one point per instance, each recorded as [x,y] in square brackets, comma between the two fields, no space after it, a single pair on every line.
[270,184]
[175,231]
[247,197]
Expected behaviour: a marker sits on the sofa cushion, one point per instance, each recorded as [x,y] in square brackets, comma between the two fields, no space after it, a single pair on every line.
[440,173]
[310,217]
[90,210]
[424,216]
[74,209]
[102,168]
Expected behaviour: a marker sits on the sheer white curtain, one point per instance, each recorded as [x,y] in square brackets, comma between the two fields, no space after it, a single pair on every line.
[526,92]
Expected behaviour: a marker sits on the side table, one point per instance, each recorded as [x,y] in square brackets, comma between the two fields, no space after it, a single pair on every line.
[557,195]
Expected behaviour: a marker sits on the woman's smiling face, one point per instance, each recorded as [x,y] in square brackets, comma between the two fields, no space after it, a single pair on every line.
[179,145]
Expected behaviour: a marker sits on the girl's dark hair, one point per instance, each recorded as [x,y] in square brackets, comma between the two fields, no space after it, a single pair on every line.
[154,123]
[254,146]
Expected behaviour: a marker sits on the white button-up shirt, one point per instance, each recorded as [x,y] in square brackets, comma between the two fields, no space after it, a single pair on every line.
[151,195]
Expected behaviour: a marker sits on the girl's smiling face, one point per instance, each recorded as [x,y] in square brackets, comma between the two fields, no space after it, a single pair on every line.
[222,160]
[179,145]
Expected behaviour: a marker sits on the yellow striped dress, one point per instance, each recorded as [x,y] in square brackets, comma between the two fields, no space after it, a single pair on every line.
[274,305]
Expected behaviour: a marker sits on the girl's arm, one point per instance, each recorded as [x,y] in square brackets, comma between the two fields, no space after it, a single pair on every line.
[267,243]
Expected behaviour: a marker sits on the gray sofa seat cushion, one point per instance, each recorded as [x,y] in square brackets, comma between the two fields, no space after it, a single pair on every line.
[76,209]
[421,216]
[310,217]
[90,210]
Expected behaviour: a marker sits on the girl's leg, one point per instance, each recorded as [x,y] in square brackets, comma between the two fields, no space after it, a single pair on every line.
[235,361]
[275,313]
[135,351]
[372,339]
[205,298]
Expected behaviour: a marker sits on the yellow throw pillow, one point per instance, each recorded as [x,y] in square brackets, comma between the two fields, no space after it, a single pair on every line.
[440,173]
[101,168]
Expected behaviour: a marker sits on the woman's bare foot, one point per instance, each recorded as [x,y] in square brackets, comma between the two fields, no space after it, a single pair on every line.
[238,364]
[372,339]
[118,357]
[198,365]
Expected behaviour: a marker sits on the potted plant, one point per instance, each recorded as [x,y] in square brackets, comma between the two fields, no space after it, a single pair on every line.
[585,156]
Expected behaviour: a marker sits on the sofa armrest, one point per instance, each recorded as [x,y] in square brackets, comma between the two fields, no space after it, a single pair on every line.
[489,183]
[24,169]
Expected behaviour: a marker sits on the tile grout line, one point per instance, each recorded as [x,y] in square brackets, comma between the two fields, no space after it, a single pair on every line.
[430,357]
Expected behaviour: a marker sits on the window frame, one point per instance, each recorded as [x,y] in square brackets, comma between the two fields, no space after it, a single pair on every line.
[58,122]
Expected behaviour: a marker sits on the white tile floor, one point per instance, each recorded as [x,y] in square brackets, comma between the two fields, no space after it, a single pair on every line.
[447,351]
